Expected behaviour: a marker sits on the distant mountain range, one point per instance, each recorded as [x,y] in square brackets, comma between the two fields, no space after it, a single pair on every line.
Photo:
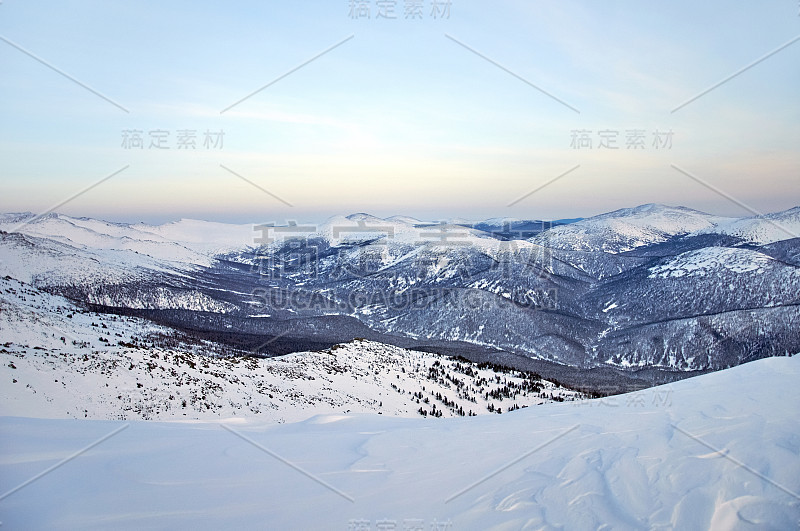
[650,286]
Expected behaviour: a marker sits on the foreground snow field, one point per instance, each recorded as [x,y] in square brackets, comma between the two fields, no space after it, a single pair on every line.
[719,451]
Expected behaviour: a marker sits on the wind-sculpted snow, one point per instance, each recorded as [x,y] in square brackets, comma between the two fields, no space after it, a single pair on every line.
[720,451]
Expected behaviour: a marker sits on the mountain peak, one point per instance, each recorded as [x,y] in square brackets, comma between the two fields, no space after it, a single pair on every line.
[363,216]
[628,228]
[650,209]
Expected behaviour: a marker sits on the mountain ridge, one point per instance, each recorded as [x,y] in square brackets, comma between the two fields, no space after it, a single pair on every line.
[602,288]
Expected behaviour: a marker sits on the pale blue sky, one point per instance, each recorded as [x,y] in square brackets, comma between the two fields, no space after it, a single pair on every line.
[400,119]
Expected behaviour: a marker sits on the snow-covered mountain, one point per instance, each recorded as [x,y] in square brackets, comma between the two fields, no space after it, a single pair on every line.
[184,241]
[628,228]
[61,361]
[279,365]
[654,285]
[761,230]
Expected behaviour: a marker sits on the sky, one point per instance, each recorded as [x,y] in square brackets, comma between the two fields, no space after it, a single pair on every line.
[276,111]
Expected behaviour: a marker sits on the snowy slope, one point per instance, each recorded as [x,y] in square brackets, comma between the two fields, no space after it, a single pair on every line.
[204,236]
[50,262]
[761,230]
[60,362]
[628,228]
[710,260]
[705,281]
[109,277]
[186,241]
[104,242]
[714,452]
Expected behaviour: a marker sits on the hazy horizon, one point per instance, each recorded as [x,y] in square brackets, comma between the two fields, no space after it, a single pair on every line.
[460,109]
[319,219]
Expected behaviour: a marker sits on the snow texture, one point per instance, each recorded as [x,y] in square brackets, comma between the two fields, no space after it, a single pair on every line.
[720,451]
